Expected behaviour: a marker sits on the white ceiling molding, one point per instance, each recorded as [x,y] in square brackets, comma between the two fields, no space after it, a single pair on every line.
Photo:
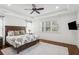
[56,14]
[1,13]
[51,13]
[8,11]
[17,9]
[50,10]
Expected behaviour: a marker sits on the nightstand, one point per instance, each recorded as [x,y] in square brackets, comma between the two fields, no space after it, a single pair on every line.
[1,42]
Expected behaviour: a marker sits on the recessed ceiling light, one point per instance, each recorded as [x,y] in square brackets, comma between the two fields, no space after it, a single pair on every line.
[57,7]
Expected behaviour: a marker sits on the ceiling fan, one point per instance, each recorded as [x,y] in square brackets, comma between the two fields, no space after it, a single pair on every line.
[35,9]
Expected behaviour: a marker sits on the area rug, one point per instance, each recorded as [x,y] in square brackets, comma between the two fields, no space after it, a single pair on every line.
[38,49]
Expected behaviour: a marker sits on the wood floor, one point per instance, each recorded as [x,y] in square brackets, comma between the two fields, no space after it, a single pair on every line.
[73,50]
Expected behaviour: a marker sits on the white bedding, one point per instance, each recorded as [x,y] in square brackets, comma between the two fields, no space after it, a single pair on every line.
[17,41]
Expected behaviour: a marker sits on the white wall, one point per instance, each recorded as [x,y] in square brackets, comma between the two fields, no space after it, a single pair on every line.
[63,35]
[78,38]
[78,30]
[14,21]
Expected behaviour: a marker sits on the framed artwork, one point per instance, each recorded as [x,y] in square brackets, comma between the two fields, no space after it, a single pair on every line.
[49,26]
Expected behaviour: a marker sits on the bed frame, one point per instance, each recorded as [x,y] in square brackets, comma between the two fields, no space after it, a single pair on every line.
[25,46]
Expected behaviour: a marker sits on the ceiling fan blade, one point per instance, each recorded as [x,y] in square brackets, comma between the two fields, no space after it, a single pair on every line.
[34,6]
[31,12]
[37,12]
[40,9]
[27,9]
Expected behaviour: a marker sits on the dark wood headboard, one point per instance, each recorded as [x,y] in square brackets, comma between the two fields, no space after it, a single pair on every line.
[14,28]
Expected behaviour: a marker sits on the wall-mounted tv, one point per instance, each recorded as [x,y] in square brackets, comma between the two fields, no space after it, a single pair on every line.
[72,25]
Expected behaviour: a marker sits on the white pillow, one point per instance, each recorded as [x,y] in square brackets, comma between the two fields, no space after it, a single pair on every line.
[22,32]
[10,33]
[16,33]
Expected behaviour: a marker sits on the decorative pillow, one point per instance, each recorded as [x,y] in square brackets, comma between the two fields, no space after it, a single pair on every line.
[22,32]
[10,33]
[16,33]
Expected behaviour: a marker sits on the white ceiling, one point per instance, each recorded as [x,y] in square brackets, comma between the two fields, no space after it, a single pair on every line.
[48,9]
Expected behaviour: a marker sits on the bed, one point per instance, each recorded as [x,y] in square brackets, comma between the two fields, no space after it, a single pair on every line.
[17,38]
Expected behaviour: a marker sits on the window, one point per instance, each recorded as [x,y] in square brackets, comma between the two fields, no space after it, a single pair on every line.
[49,26]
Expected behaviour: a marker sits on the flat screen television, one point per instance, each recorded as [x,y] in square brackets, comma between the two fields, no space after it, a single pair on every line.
[72,25]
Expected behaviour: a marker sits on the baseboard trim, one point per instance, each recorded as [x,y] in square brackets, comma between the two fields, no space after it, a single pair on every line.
[73,49]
